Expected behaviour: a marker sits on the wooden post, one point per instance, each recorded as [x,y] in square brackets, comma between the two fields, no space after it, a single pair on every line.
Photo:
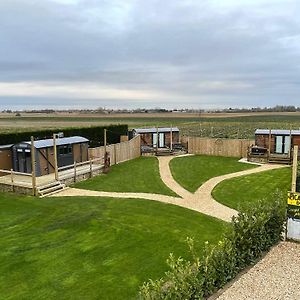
[171,138]
[290,152]
[156,139]
[270,137]
[12,179]
[295,167]
[55,157]
[105,142]
[75,171]
[115,153]
[33,173]
[91,168]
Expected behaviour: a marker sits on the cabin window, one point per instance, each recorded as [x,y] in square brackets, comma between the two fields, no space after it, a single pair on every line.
[154,139]
[161,140]
[65,150]
[282,144]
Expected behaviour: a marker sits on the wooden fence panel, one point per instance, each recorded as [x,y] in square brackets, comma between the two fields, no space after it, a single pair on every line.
[119,152]
[219,147]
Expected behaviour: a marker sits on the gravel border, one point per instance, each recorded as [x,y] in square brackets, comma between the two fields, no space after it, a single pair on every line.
[276,276]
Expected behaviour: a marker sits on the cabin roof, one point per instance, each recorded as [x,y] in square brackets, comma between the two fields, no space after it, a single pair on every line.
[154,130]
[59,142]
[277,131]
[4,147]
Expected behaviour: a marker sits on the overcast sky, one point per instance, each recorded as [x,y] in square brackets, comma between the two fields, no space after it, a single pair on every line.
[149,53]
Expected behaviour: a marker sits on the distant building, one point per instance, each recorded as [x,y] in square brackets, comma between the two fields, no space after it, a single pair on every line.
[157,137]
[274,145]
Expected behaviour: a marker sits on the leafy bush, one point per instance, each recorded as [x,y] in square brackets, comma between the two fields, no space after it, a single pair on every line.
[94,134]
[252,233]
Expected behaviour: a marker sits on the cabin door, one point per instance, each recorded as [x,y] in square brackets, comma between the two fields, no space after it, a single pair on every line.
[161,140]
[287,144]
[279,143]
[154,139]
[24,160]
[282,144]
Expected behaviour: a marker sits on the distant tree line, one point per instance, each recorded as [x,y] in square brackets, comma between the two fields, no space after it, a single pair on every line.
[102,110]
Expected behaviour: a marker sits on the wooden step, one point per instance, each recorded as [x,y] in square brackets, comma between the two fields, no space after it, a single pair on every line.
[279,161]
[54,192]
[50,188]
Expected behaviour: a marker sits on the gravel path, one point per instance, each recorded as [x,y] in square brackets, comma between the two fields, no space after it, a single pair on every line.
[277,276]
[209,205]
[200,201]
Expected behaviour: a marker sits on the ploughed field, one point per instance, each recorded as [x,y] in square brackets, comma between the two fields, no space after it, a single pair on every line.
[228,125]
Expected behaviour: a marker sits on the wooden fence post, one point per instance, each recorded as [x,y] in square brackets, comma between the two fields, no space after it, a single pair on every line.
[33,173]
[270,137]
[115,153]
[75,171]
[171,138]
[91,169]
[157,139]
[295,168]
[105,142]
[55,157]
[12,179]
[290,148]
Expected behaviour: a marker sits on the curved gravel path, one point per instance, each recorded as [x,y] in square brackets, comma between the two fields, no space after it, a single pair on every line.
[201,201]
[210,206]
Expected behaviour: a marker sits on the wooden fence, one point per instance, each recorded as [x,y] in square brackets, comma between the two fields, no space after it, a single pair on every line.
[119,152]
[219,147]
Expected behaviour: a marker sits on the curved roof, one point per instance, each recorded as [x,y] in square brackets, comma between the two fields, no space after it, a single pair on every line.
[154,129]
[277,131]
[59,142]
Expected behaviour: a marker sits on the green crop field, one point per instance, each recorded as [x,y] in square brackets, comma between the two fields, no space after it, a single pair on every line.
[206,125]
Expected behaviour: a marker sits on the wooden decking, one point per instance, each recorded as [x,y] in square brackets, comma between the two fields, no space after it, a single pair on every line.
[272,158]
[69,175]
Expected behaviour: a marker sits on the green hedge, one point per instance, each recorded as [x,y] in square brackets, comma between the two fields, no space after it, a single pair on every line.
[252,233]
[94,134]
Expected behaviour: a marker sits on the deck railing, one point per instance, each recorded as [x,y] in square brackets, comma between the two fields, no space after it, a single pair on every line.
[75,171]
[16,177]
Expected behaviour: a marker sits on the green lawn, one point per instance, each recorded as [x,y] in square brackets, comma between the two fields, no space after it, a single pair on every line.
[192,171]
[91,248]
[242,191]
[137,175]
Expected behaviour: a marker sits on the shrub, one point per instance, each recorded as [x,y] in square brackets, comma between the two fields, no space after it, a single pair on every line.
[252,233]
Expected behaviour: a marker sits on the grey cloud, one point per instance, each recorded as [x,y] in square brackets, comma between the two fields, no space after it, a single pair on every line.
[170,46]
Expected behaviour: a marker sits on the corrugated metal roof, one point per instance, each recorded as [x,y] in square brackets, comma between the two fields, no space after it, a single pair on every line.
[60,141]
[277,131]
[154,130]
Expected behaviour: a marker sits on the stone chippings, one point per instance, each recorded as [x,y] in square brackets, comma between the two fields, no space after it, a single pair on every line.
[276,276]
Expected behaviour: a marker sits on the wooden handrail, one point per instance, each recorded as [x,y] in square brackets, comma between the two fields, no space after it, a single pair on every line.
[80,164]
[15,172]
